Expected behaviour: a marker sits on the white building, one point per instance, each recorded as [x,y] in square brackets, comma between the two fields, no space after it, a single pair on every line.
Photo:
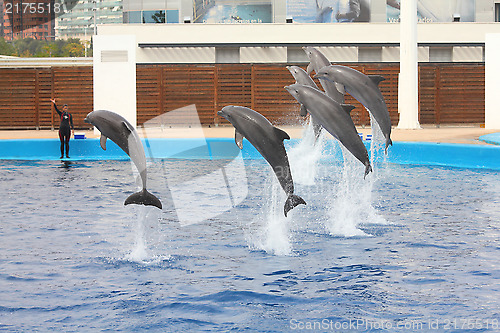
[449,31]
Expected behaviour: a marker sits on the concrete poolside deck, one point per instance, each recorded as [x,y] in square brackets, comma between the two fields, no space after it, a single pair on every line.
[443,134]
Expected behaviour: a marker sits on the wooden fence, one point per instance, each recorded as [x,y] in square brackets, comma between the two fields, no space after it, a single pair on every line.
[25,96]
[449,93]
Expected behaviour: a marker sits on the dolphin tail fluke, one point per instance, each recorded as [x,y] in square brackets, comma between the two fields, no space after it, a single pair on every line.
[292,201]
[368,169]
[388,142]
[143,198]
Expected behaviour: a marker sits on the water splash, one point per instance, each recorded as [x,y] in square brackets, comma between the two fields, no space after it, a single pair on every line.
[351,204]
[347,205]
[139,253]
[304,157]
[148,237]
[377,146]
[272,232]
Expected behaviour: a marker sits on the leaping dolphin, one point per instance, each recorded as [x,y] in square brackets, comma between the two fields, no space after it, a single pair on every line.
[334,117]
[268,140]
[318,60]
[302,77]
[365,89]
[120,131]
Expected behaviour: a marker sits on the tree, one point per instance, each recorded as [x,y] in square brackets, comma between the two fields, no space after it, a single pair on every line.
[29,47]
[49,50]
[74,50]
[6,48]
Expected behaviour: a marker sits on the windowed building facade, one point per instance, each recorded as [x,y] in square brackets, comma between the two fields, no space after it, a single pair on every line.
[80,20]
[27,19]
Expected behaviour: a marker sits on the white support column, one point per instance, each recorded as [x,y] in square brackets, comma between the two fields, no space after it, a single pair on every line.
[408,72]
[492,81]
[115,75]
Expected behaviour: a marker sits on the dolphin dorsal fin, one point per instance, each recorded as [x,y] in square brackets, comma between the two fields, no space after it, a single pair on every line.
[103,141]
[347,108]
[281,134]
[303,110]
[376,79]
[310,69]
[238,138]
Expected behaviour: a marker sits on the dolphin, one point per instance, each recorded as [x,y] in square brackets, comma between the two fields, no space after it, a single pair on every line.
[365,89]
[317,61]
[302,77]
[334,117]
[268,140]
[120,131]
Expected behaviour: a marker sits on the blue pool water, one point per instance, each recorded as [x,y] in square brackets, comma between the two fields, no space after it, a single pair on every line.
[413,247]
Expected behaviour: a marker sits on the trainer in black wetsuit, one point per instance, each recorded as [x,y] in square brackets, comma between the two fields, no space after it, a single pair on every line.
[65,128]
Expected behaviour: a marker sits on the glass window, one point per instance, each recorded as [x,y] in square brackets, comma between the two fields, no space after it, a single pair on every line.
[153,16]
[132,17]
[172,16]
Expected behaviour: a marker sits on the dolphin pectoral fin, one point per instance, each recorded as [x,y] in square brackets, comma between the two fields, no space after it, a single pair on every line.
[348,108]
[340,87]
[143,198]
[103,141]
[238,138]
[292,201]
[376,79]
[310,69]
[303,110]
[281,134]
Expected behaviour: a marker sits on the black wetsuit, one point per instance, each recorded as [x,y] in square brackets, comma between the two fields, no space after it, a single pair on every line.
[64,130]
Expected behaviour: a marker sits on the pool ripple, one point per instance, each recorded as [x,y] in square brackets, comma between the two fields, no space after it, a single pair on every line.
[66,242]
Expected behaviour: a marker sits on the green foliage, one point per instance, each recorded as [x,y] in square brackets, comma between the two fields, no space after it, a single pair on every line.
[6,48]
[29,47]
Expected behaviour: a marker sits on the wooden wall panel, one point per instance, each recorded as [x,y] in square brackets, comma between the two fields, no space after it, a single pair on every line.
[45,94]
[451,93]
[428,95]
[74,86]
[17,98]
[461,94]
[233,87]
[191,84]
[150,101]
[269,96]
[448,93]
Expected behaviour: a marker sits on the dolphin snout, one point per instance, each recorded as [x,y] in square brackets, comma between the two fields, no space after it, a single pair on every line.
[321,75]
